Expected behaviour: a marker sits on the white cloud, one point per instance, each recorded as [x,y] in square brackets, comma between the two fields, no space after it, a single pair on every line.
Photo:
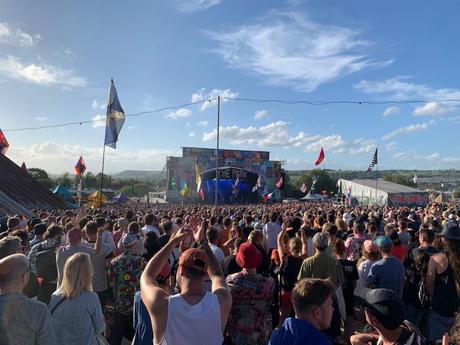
[130,128]
[261,114]
[433,157]
[211,97]
[203,123]
[391,146]
[99,121]
[287,49]
[179,114]
[191,134]
[12,68]
[41,118]
[390,111]
[432,109]
[188,6]
[418,127]
[17,37]
[276,134]
[97,105]
[60,157]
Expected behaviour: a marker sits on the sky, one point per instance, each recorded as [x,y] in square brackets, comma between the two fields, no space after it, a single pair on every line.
[57,59]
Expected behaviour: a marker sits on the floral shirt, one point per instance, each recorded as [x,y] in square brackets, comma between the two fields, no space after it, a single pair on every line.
[252,296]
[124,276]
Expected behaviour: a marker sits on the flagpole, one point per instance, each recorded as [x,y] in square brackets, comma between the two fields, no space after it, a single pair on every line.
[217,151]
[376,180]
[102,175]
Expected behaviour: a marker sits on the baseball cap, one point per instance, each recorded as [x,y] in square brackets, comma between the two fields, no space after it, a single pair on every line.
[383,242]
[384,304]
[320,240]
[248,256]
[194,258]
[128,240]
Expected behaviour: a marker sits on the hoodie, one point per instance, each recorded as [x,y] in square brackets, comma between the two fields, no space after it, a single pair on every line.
[298,332]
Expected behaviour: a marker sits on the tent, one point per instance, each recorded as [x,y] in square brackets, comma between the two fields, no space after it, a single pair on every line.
[63,192]
[121,198]
[96,200]
[312,197]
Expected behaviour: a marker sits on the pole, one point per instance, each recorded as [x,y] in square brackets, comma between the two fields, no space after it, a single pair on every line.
[376,183]
[102,176]
[217,151]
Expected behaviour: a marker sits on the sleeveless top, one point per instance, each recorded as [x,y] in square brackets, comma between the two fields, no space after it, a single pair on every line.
[445,293]
[193,324]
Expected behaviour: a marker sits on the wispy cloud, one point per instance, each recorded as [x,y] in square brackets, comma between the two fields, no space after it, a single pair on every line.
[391,146]
[261,114]
[433,157]
[191,134]
[288,49]
[432,109]
[97,105]
[99,121]
[12,68]
[211,97]
[188,6]
[179,114]
[390,111]
[17,37]
[418,127]
[41,118]
[203,123]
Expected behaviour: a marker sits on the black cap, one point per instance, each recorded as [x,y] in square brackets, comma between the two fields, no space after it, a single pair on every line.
[39,229]
[451,233]
[383,304]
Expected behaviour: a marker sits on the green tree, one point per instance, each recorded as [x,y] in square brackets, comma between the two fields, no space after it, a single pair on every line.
[41,176]
[89,180]
[324,183]
[65,180]
[139,189]
[399,179]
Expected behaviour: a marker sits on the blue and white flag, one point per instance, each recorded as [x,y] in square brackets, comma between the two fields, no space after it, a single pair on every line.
[115,118]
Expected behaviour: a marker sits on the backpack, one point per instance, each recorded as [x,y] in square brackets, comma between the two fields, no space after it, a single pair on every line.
[421,261]
[45,262]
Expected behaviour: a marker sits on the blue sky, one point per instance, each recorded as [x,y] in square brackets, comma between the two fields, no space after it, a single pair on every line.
[57,58]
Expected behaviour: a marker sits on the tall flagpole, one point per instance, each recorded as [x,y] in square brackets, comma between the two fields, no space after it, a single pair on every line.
[376,176]
[102,175]
[217,151]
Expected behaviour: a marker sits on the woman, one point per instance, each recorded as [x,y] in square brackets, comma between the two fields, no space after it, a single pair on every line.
[398,249]
[75,308]
[371,255]
[443,284]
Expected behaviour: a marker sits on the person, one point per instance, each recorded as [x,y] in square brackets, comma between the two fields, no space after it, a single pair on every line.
[38,232]
[247,226]
[76,309]
[252,295]
[385,313]
[443,284]
[354,243]
[398,250]
[271,231]
[124,273]
[213,236]
[403,233]
[75,246]
[198,314]
[23,321]
[229,265]
[151,224]
[224,235]
[312,301]
[371,255]
[387,273]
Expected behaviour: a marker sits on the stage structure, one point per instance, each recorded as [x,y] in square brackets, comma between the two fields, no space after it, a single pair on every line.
[239,173]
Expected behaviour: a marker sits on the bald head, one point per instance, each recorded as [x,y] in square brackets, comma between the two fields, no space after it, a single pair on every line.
[12,269]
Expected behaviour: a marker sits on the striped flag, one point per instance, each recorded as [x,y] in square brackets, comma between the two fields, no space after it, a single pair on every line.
[374,161]
[80,167]
[115,118]
[3,143]
[303,188]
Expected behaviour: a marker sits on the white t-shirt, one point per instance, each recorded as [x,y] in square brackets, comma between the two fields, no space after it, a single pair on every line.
[217,252]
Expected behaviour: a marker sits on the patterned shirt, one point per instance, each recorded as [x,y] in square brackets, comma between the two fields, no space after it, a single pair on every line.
[124,276]
[252,296]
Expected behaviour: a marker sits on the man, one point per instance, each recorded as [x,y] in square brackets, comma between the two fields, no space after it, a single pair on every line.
[271,231]
[74,246]
[23,321]
[312,301]
[387,273]
[193,315]
[224,235]
[385,312]
[150,221]
[354,243]
[212,236]
[403,234]
[124,273]
[39,232]
[229,265]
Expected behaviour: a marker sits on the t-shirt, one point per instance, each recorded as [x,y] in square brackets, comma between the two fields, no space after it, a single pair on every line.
[290,268]
[218,253]
[387,273]
[66,252]
[100,266]
[323,266]
[229,265]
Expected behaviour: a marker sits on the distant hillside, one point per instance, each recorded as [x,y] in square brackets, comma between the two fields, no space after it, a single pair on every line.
[137,174]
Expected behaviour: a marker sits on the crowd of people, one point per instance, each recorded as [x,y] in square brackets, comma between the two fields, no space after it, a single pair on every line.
[306,273]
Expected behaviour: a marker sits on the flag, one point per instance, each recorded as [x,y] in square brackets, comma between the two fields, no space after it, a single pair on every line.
[184,191]
[115,118]
[23,166]
[374,161]
[173,183]
[258,184]
[320,158]
[415,179]
[267,197]
[80,167]
[349,196]
[303,188]
[279,183]
[313,182]
[198,177]
[236,186]
[3,143]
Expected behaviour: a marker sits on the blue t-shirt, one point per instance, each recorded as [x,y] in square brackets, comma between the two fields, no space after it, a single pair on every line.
[298,332]
[141,323]
[387,273]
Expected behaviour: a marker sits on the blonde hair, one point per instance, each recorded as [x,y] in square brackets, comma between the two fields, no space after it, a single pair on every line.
[77,276]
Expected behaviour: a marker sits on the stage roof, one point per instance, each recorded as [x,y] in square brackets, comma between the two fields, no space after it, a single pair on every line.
[386,186]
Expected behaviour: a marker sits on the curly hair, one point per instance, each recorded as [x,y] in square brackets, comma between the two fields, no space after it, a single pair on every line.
[453,254]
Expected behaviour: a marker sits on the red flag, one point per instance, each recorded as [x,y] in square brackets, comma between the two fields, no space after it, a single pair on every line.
[3,143]
[279,183]
[80,167]
[23,166]
[320,157]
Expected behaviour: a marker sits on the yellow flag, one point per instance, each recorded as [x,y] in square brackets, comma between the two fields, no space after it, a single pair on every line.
[184,191]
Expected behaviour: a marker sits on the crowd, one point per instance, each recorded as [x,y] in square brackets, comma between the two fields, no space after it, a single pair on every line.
[240,274]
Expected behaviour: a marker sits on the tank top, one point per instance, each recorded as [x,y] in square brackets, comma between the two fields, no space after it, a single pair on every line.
[193,324]
[444,293]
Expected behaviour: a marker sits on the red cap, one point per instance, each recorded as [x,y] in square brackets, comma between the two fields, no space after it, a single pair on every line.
[194,258]
[248,256]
